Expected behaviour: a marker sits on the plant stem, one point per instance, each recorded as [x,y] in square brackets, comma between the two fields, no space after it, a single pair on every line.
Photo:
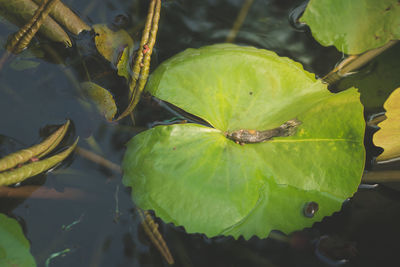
[98,159]
[239,21]
[381,176]
[355,62]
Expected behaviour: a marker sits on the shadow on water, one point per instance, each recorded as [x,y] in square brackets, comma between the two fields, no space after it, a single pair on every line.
[97,222]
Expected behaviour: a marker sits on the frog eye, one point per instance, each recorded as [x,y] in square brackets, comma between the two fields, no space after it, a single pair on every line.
[310,208]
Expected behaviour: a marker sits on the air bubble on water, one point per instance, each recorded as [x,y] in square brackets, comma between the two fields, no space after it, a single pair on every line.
[310,208]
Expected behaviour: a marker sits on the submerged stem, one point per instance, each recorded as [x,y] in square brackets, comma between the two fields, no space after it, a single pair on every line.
[381,176]
[355,62]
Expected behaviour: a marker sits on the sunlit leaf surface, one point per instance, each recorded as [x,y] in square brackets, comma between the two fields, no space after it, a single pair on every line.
[355,26]
[388,137]
[14,248]
[194,176]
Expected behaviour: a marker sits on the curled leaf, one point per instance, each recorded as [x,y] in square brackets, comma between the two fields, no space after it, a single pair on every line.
[34,168]
[102,98]
[66,17]
[388,137]
[21,11]
[142,62]
[39,150]
[123,65]
[110,44]
[20,40]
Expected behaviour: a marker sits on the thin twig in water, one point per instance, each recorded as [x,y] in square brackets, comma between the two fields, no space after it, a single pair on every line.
[239,21]
[42,192]
[151,229]
[98,159]
[376,120]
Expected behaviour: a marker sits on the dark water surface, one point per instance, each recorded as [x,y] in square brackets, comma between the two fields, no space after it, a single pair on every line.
[109,232]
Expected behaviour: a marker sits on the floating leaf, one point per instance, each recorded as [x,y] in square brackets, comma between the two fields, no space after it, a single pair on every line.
[21,11]
[102,98]
[66,17]
[14,248]
[110,44]
[388,137]
[28,170]
[355,26]
[193,175]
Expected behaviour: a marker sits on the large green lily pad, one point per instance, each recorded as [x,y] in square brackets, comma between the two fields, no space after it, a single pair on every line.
[355,26]
[14,248]
[193,175]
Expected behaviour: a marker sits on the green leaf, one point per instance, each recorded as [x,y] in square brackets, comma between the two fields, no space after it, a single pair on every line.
[355,26]
[14,248]
[195,176]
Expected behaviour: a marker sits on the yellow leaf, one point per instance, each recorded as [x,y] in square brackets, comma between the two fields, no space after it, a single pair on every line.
[388,137]
[111,43]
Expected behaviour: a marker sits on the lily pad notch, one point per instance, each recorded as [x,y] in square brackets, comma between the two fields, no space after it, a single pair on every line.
[197,177]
